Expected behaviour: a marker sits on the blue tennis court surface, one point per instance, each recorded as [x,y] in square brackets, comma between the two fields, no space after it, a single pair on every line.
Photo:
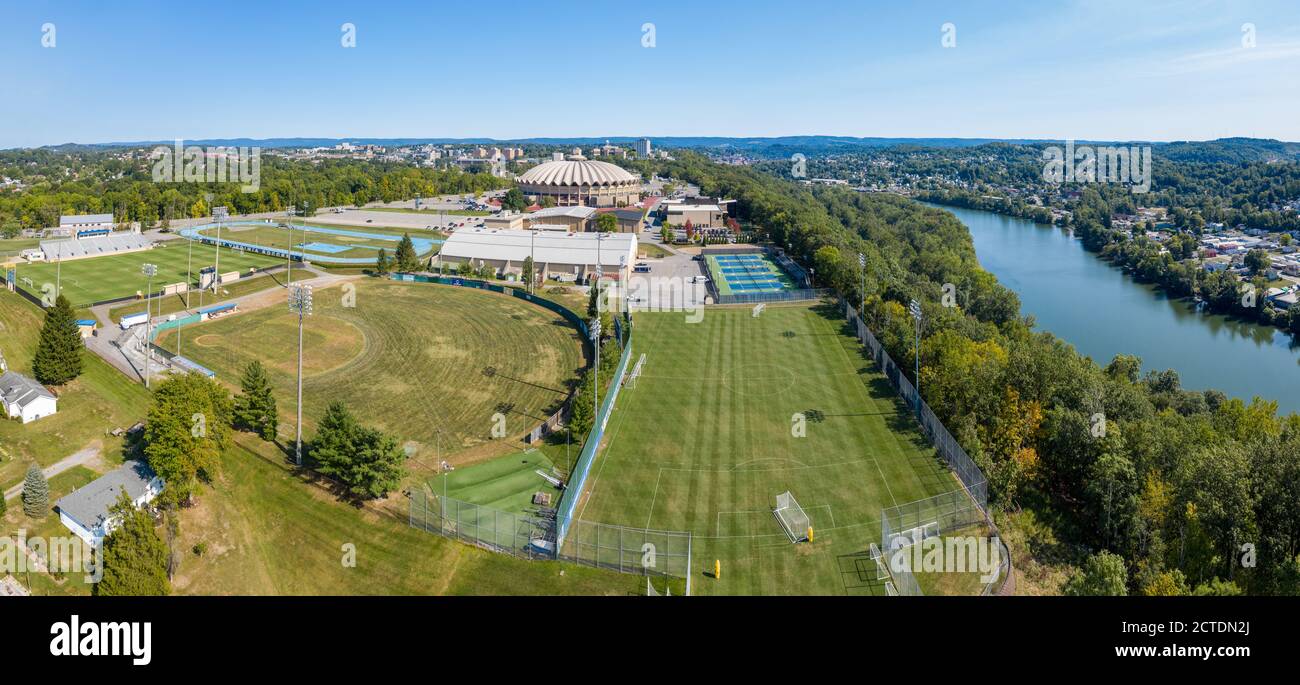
[749,273]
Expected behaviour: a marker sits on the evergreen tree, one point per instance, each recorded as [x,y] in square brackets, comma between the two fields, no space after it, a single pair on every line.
[406,258]
[135,558]
[255,406]
[36,493]
[382,263]
[58,353]
[581,411]
[527,273]
[366,460]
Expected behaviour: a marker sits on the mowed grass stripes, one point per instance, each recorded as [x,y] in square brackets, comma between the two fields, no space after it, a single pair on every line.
[427,363]
[711,435]
[97,279]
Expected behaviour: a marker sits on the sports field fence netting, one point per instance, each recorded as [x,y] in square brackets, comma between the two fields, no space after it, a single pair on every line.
[533,536]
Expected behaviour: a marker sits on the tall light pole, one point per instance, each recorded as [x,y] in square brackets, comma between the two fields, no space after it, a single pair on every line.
[595,369]
[300,304]
[915,309]
[149,271]
[289,261]
[218,213]
[862,266]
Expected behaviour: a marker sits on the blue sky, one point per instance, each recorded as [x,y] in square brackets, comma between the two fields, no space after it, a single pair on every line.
[1132,69]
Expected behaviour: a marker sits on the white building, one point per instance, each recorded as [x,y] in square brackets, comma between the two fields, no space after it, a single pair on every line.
[643,148]
[559,255]
[86,511]
[25,399]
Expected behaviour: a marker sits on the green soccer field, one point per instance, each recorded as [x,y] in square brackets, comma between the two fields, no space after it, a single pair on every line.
[706,440]
[432,365]
[96,279]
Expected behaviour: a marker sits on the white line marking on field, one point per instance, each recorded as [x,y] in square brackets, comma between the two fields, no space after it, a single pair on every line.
[886,481]
[653,498]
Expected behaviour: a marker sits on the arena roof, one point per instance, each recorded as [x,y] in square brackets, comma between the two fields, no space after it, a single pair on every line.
[546,247]
[576,173]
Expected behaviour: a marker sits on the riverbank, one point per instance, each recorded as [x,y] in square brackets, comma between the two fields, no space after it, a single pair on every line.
[1103,311]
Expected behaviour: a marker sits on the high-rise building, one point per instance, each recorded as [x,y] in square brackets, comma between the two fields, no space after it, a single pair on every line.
[643,148]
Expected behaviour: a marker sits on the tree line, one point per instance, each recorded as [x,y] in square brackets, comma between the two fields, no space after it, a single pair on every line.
[1160,490]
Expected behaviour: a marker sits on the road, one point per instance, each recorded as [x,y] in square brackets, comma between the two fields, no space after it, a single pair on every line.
[79,458]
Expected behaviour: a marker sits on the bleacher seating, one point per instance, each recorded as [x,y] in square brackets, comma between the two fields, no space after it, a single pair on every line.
[93,247]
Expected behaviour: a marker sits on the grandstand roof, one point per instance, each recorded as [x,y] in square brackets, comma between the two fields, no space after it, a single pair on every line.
[94,247]
[76,219]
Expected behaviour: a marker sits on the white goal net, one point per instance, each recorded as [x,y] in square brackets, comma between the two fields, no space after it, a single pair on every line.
[792,517]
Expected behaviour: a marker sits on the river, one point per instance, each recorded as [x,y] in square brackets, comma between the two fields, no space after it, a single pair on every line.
[1102,311]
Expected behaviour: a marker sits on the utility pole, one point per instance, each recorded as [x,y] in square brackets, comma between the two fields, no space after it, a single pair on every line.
[149,270]
[300,304]
[915,309]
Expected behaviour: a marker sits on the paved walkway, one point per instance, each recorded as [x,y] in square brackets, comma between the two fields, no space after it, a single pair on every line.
[78,458]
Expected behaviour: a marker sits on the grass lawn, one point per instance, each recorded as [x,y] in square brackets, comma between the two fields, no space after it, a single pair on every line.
[651,250]
[506,483]
[105,278]
[417,360]
[47,528]
[98,401]
[706,441]
[265,532]
[170,304]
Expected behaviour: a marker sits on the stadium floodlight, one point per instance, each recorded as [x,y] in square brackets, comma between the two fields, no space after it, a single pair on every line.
[149,271]
[595,367]
[299,303]
[862,267]
[915,309]
[289,252]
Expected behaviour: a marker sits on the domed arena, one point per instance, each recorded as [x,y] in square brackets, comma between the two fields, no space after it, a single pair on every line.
[581,182]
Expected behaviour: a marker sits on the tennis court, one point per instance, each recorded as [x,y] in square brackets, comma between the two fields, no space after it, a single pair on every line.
[748,273]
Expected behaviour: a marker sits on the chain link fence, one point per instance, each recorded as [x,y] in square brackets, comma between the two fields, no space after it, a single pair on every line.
[533,536]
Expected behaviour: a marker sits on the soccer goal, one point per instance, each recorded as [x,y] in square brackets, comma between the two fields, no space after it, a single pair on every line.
[758,309]
[636,372]
[796,523]
[882,573]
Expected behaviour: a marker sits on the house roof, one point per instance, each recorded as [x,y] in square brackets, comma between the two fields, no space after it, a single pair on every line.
[89,504]
[16,388]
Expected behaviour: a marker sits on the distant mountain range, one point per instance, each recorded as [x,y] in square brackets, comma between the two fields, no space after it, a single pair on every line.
[1224,149]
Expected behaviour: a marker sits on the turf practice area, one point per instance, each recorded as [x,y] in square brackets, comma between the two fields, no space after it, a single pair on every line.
[506,483]
[430,364]
[96,279]
[748,273]
[710,436]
